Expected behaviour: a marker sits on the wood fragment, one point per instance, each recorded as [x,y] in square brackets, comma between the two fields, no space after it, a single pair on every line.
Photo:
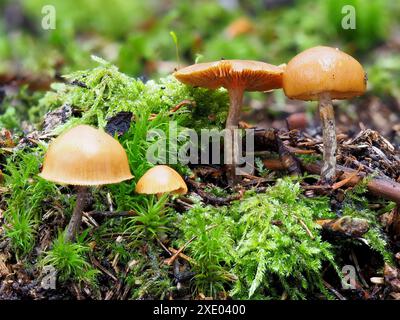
[346,180]
[306,228]
[290,163]
[183,256]
[347,226]
[274,164]
[4,271]
[380,187]
[209,198]
[175,108]
[103,269]
[356,264]
[333,290]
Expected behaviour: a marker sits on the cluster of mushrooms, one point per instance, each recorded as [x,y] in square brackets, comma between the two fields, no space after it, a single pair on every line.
[85,156]
[320,73]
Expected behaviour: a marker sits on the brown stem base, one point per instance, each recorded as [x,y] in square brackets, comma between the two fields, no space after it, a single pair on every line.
[76,218]
[329,139]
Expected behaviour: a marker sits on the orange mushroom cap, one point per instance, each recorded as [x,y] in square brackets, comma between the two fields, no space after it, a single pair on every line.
[161,179]
[323,70]
[247,74]
[85,156]
[239,27]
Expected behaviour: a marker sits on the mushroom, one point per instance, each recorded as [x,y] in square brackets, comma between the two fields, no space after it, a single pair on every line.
[236,76]
[84,156]
[324,73]
[159,180]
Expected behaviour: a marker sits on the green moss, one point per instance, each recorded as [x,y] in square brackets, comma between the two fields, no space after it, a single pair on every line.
[9,119]
[17,107]
[259,247]
[102,92]
[148,277]
[24,196]
[280,247]
[356,205]
[211,231]
[262,241]
[70,260]
[152,218]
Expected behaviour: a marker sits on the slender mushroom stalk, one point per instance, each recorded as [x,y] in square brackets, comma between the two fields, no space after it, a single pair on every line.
[324,73]
[235,106]
[83,157]
[327,116]
[76,218]
[236,76]
[232,122]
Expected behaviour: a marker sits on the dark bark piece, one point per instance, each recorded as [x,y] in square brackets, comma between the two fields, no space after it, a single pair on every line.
[119,124]
[290,163]
[346,226]
[56,118]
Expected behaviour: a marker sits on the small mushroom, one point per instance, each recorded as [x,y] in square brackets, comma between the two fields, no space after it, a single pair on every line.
[239,27]
[84,156]
[159,180]
[324,73]
[237,76]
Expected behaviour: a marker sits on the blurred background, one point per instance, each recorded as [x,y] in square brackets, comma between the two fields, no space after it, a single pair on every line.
[149,39]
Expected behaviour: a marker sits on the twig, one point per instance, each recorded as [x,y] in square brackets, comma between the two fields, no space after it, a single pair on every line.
[306,228]
[333,290]
[182,255]
[378,186]
[163,246]
[89,220]
[175,108]
[213,199]
[290,162]
[355,261]
[176,254]
[381,187]
[346,180]
[104,270]
[110,214]
[184,204]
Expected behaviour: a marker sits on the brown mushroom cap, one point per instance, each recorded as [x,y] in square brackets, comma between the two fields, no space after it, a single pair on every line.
[247,74]
[323,70]
[85,156]
[161,179]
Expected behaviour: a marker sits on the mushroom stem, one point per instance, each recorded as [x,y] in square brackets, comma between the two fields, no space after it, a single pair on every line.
[231,148]
[235,104]
[76,219]
[329,138]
